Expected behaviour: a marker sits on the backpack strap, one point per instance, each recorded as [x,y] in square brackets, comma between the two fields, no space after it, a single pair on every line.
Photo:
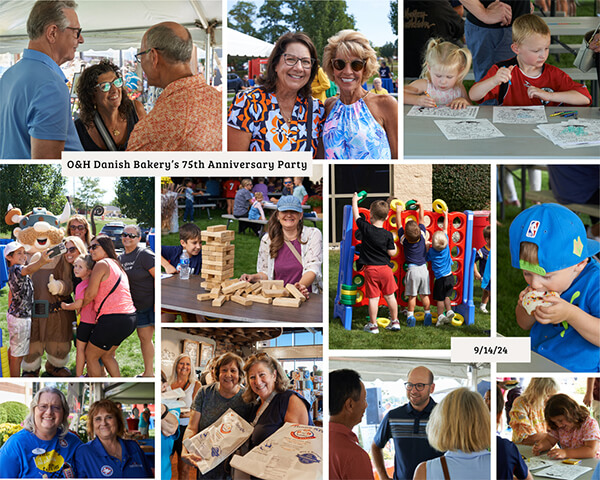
[445,467]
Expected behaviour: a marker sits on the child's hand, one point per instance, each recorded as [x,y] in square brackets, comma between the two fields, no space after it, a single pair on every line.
[479,277]
[504,74]
[557,454]
[170,269]
[534,92]
[459,103]
[64,305]
[559,311]
[426,101]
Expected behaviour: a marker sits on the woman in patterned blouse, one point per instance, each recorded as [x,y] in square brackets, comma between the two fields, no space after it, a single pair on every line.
[280,113]
[527,413]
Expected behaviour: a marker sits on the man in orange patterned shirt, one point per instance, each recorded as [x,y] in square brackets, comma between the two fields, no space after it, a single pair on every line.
[187,115]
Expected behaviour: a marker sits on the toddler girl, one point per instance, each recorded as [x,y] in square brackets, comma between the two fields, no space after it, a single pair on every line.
[256,211]
[82,268]
[444,69]
[571,426]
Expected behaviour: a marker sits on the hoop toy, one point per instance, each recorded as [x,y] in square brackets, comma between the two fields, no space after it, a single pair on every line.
[411,205]
[439,206]
[409,218]
[361,196]
[358,280]
[458,320]
[392,221]
[359,296]
[395,204]
[383,322]
[419,316]
[395,266]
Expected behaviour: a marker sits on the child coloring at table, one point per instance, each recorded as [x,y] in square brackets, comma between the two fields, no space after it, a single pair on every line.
[82,268]
[441,264]
[526,79]
[509,462]
[376,250]
[20,309]
[256,211]
[548,242]
[412,239]
[441,82]
[571,427]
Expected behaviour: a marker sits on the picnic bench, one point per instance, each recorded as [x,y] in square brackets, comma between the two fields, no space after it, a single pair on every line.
[206,206]
[230,218]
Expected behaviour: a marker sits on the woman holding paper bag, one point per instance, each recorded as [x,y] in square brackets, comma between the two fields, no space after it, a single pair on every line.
[213,401]
[277,404]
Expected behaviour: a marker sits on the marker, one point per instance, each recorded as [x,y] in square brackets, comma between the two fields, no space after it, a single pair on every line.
[556,114]
[568,112]
[569,115]
[434,104]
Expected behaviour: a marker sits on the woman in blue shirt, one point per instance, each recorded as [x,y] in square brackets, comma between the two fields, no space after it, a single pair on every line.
[108,455]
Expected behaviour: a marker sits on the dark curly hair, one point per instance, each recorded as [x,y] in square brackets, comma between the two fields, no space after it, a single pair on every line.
[268,80]
[85,91]
[561,404]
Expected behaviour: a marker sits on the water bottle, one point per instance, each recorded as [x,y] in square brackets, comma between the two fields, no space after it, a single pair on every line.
[184,266]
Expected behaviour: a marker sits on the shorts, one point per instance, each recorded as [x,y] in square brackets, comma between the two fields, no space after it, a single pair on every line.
[379,280]
[442,288]
[145,318]
[144,430]
[84,331]
[112,329]
[19,333]
[416,281]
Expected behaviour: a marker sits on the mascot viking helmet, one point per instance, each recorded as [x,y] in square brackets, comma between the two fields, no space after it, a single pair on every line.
[39,229]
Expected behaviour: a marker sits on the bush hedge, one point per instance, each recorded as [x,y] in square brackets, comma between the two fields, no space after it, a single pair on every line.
[15,412]
[462,187]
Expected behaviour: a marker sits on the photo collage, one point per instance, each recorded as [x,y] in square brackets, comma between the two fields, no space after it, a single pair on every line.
[227,253]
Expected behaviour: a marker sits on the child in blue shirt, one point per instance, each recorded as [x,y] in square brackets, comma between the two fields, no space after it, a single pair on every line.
[189,238]
[441,264]
[548,242]
[256,211]
[188,213]
[416,282]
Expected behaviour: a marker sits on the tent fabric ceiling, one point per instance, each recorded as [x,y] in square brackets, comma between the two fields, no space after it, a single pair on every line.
[114,24]
[244,45]
[130,392]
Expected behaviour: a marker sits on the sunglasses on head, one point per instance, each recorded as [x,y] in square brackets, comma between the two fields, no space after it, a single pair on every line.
[129,235]
[356,65]
[105,86]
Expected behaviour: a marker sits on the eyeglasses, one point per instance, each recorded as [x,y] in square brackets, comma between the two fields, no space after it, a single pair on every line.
[418,386]
[129,235]
[78,30]
[138,56]
[72,249]
[105,86]
[94,246]
[292,60]
[44,407]
[78,227]
[356,65]
[286,183]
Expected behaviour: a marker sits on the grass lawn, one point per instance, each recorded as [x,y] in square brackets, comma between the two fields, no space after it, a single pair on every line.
[407,338]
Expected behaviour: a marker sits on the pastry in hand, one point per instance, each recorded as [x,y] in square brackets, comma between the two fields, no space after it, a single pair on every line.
[535,298]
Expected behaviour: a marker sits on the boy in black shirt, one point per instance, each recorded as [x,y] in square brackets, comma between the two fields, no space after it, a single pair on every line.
[376,249]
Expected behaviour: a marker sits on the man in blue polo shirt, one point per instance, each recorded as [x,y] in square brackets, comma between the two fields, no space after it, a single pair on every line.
[35,112]
[406,426]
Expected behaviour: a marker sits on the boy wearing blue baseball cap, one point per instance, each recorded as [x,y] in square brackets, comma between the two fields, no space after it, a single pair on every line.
[548,242]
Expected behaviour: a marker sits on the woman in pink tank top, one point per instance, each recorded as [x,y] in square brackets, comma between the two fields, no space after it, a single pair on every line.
[116,319]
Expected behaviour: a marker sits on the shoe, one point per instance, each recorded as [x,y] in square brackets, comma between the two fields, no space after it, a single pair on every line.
[483,309]
[371,328]
[411,321]
[56,371]
[441,320]
[394,326]
[427,320]
[449,316]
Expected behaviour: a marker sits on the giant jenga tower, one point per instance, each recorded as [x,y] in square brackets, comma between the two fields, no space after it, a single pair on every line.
[217,256]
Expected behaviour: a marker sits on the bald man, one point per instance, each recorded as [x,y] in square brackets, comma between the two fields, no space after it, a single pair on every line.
[187,115]
[406,426]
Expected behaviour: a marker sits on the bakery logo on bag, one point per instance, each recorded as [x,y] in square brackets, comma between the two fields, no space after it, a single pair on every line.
[532,229]
[215,451]
[106,471]
[303,434]
[308,458]
[225,428]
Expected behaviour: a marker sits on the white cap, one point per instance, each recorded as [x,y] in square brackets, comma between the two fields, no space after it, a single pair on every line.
[11,247]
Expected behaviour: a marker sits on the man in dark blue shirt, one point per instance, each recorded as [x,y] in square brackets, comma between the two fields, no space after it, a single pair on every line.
[406,426]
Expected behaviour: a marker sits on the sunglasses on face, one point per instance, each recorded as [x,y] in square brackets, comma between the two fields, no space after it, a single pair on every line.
[356,65]
[291,60]
[105,86]
[77,227]
[76,30]
[129,235]
[94,246]
[72,249]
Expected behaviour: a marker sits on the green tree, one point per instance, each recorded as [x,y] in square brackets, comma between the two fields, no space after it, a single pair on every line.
[89,193]
[273,20]
[388,50]
[29,186]
[242,16]
[393,16]
[135,197]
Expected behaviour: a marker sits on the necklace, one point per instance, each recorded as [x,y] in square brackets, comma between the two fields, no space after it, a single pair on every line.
[116,132]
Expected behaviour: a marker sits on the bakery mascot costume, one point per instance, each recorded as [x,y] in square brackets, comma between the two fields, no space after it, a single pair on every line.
[51,327]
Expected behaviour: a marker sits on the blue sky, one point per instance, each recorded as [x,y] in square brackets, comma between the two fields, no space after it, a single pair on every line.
[371,17]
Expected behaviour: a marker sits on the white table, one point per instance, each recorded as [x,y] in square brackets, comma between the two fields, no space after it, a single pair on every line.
[537,364]
[526,451]
[571,25]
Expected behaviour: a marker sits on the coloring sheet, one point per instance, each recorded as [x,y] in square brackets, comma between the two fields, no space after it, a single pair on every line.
[572,133]
[535,463]
[442,112]
[468,129]
[534,114]
[562,471]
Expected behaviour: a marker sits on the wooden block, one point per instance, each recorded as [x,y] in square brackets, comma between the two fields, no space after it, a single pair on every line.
[204,296]
[290,287]
[223,236]
[259,299]
[269,284]
[215,292]
[229,281]
[241,300]
[236,286]
[275,292]
[217,248]
[225,272]
[217,228]
[219,301]
[287,302]
[223,262]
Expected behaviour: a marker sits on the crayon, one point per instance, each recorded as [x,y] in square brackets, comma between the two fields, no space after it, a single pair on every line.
[434,104]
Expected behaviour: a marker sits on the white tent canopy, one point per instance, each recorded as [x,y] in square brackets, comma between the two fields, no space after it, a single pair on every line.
[119,24]
[239,43]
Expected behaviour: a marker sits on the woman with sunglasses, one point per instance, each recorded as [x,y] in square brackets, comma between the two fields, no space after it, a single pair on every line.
[107,115]
[358,125]
[115,313]
[280,114]
[78,226]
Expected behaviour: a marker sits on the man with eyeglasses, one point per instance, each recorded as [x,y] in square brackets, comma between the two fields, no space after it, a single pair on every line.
[187,115]
[406,426]
[35,112]
[288,189]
